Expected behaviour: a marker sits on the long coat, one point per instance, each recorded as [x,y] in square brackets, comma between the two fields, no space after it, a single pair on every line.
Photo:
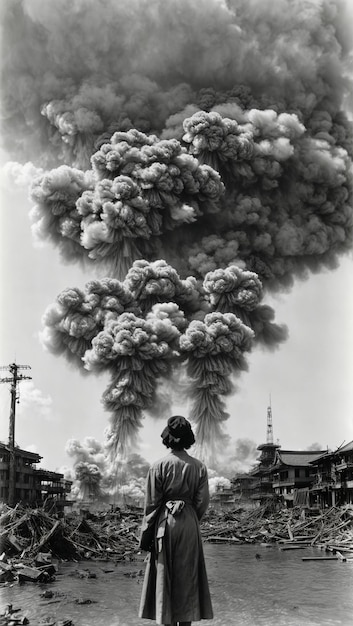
[175,587]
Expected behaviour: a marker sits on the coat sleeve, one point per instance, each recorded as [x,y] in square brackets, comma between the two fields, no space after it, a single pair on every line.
[202,495]
[153,501]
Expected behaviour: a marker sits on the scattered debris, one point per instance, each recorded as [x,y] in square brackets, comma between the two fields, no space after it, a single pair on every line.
[85,601]
[33,537]
[289,528]
[136,574]
[9,618]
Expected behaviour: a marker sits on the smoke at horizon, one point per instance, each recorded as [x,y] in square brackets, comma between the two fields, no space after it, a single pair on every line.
[96,478]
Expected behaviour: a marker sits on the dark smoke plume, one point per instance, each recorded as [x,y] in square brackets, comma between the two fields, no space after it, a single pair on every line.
[199,157]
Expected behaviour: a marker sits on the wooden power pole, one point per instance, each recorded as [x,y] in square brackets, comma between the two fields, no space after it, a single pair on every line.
[14,379]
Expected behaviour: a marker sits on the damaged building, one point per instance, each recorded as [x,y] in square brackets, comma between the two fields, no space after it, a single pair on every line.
[333,484]
[33,486]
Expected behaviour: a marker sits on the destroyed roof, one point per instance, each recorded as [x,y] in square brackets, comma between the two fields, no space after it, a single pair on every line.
[45,474]
[30,456]
[297,458]
[330,454]
[347,448]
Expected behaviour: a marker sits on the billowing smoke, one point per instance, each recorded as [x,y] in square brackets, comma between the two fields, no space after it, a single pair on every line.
[130,479]
[96,478]
[216,482]
[139,188]
[197,157]
[315,446]
[146,327]
[89,461]
[237,456]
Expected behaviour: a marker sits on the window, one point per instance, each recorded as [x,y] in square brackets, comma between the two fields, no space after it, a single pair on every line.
[297,472]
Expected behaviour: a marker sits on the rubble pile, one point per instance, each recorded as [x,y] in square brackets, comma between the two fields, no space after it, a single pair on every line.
[331,529]
[30,538]
[26,533]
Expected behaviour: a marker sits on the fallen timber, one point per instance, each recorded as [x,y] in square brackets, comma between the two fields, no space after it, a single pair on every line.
[31,538]
[320,558]
[28,535]
[295,528]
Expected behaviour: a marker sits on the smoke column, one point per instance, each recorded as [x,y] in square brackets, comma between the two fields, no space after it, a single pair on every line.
[89,468]
[197,158]
[95,478]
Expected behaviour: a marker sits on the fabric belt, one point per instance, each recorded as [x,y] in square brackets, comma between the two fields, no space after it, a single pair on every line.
[172,507]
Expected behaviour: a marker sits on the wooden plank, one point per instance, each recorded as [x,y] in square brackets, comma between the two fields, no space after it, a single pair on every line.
[320,558]
[217,539]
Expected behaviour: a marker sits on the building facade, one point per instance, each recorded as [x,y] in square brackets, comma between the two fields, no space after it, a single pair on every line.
[261,489]
[293,471]
[32,486]
[282,477]
[333,484]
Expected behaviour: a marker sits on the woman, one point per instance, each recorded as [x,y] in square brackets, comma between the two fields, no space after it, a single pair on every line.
[175,589]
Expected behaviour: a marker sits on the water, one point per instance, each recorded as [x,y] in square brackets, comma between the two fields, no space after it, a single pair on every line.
[277,588]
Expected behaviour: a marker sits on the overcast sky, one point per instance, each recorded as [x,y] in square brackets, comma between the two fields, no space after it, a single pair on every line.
[309,376]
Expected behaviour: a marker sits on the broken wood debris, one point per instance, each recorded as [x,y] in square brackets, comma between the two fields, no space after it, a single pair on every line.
[289,528]
[10,617]
[320,558]
[32,537]
[28,534]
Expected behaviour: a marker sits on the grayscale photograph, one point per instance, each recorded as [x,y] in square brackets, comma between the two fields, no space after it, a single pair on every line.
[176,349]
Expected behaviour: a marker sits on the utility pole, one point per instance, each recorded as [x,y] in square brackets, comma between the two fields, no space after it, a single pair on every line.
[14,379]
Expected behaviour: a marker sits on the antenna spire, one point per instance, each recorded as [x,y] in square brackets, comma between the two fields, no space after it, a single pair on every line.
[269,438]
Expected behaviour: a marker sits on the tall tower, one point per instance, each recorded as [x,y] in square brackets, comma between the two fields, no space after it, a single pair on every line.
[269,438]
[268,449]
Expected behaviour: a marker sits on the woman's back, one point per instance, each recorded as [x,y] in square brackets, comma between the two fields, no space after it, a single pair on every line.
[179,476]
[175,586]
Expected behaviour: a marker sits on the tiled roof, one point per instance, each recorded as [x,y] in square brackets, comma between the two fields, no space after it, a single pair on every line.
[300,458]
